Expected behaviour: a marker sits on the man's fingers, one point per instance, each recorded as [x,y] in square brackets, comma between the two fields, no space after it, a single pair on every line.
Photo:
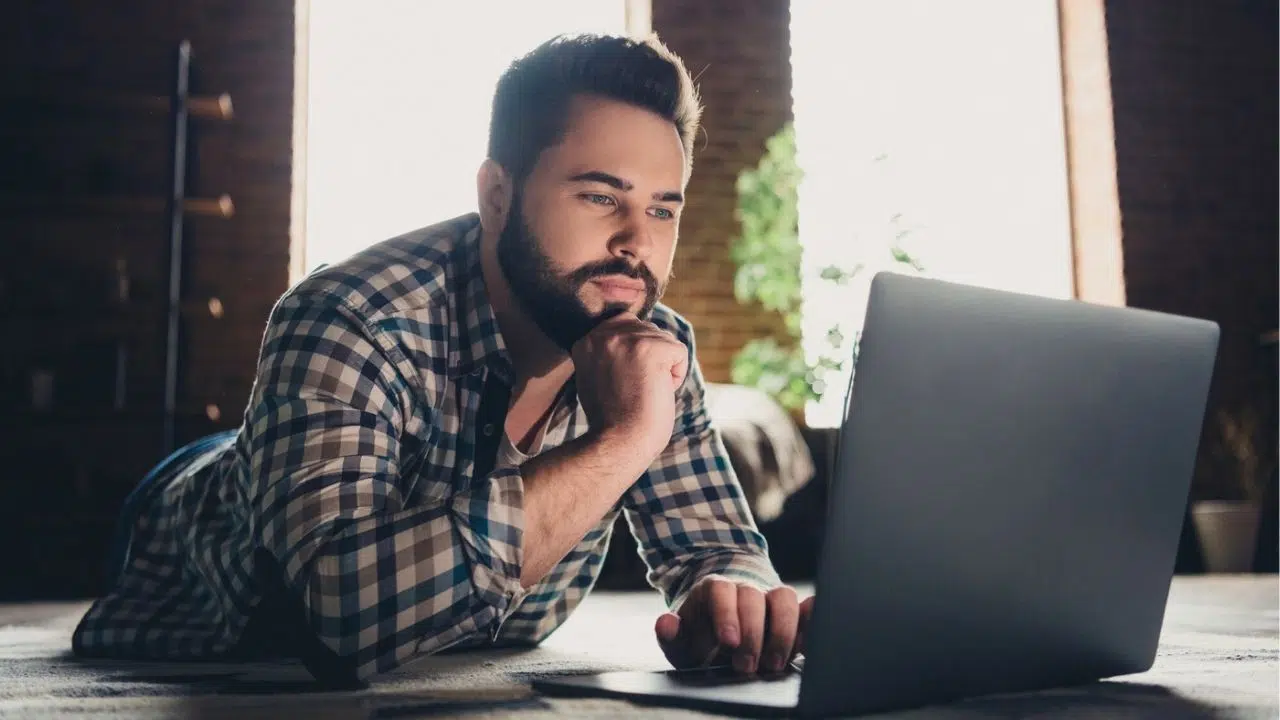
[667,627]
[621,327]
[674,645]
[784,620]
[621,317]
[669,350]
[806,615]
[751,615]
[722,609]
[685,643]
[660,345]
[679,370]
[627,322]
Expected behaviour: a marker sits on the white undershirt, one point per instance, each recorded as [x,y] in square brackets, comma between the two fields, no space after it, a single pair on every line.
[510,456]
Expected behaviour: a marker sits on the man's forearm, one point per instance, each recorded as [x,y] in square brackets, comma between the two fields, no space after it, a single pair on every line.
[567,491]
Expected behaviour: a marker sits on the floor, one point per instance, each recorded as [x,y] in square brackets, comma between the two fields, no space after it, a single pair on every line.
[1218,658]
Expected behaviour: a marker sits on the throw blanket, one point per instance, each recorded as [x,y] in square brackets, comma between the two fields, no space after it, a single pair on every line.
[765,446]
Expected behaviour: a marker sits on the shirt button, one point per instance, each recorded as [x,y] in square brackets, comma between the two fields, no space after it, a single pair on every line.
[488,430]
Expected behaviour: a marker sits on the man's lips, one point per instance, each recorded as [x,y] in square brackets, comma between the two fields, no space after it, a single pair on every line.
[620,288]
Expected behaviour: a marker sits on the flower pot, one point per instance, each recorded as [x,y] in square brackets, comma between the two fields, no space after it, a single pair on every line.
[1228,534]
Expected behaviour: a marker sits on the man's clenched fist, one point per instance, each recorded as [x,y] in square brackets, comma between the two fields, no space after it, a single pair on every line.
[627,373]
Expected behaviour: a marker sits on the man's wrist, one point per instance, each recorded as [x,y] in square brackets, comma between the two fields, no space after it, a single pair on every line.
[622,448]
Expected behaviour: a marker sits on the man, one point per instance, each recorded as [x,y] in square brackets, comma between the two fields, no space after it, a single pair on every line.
[445,426]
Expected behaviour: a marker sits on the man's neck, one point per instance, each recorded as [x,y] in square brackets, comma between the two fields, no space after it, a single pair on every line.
[535,358]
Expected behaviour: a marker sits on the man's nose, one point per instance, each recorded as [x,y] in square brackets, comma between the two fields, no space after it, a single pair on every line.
[632,240]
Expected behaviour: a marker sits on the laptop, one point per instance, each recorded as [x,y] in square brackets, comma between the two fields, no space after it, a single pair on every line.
[1004,514]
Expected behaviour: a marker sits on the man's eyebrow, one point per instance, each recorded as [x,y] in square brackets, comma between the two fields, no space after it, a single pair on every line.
[613,181]
[598,176]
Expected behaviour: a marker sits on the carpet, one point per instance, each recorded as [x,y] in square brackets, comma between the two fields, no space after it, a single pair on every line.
[1218,659]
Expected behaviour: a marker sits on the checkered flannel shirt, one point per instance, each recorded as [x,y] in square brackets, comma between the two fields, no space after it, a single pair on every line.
[360,493]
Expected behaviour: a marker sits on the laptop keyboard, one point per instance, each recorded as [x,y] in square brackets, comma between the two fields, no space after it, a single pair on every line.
[715,675]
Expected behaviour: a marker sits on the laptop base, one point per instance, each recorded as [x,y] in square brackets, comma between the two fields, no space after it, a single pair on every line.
[716,689]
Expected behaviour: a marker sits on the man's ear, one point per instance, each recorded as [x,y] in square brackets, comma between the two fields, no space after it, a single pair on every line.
[494,190]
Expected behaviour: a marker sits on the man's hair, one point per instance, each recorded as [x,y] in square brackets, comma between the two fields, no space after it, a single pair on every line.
[531,102]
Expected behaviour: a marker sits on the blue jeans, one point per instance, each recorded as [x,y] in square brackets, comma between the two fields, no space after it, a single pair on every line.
[153,482]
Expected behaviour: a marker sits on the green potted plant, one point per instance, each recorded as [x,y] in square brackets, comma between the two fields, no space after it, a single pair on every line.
[768,254]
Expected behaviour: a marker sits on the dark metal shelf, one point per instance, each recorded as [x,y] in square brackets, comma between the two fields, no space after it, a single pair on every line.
[204,107]
[221,206]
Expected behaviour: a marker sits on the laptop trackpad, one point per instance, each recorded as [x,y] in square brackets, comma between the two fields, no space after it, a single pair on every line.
[713,686]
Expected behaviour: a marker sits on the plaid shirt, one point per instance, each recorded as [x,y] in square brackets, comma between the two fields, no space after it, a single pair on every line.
[356,519]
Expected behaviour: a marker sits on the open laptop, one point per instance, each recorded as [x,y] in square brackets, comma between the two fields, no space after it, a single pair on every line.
[1005,512]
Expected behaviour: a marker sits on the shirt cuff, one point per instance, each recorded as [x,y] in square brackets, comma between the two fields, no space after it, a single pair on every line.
[490,522]
[741,567]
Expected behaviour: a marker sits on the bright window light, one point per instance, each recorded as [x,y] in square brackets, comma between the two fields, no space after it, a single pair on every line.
[942,120]
[399,97]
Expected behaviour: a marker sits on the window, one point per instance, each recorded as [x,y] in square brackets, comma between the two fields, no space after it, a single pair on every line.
[935,125]
[398,100]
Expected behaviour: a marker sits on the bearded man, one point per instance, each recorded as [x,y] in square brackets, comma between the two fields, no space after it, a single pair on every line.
[445,426]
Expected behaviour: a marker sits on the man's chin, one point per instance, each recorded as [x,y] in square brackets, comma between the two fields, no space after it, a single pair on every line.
[606,310]
[617,308]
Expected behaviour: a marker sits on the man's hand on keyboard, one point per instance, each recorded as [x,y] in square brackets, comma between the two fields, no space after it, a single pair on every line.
[726,621]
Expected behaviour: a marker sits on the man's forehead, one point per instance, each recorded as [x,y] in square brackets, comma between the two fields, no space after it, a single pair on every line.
[622,140]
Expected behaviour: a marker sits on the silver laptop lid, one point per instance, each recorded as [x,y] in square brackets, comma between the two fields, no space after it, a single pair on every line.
[1010,488]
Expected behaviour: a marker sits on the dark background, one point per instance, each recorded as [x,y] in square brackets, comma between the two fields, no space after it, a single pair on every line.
[1195,115]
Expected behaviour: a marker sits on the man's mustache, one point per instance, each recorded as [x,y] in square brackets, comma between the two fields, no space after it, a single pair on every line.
[617,266]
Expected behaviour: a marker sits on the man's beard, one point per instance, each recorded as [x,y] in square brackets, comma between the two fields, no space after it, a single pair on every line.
[549,297]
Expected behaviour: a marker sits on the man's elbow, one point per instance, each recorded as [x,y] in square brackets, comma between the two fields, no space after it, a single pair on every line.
[350,639]
[333,658]
[300,622]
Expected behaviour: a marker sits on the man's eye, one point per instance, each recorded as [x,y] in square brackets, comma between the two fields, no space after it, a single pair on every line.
[663,214]
[598,199]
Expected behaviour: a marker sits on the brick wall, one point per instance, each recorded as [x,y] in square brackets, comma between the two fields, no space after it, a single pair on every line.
[739,50]
[1195,109]
[68,469]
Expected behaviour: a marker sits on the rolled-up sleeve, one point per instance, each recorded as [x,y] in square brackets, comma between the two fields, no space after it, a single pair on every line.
[687,512]
[379,582]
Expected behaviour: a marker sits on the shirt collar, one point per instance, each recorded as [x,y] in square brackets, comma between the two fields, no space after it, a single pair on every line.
[476,341]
